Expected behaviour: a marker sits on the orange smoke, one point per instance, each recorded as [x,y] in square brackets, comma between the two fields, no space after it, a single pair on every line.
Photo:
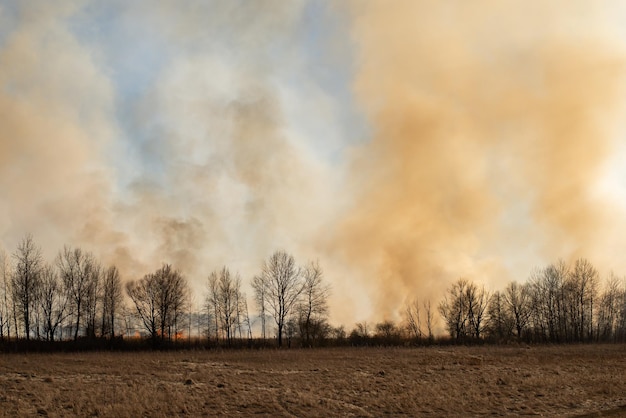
[491,122]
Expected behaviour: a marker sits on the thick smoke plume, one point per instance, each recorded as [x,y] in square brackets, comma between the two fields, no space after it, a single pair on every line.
[196,166]
[210,133]
[55,123]
[491,125]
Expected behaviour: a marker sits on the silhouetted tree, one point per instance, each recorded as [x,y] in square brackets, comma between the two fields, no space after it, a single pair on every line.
[620,328]
[313,306]
[429,320]
[413,319]
[225,294]
[159,300]
[610,305]
[477,300]
[338,333]
[53,301]
[145,295]
[290,330]
[26,280]
[453,309]
[548,302]
[5,296]
[418,320]
[360,334]
[93,297]
[387,332]
[500,324]
[78,270]
[246,316]
[260,297]
[282,280]
[517,299]
[112,300]
[213,306]
[582,286]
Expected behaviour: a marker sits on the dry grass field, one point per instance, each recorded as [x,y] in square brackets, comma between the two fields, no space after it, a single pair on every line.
[585,380]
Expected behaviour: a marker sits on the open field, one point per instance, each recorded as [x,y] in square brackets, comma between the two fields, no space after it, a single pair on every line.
[588,380]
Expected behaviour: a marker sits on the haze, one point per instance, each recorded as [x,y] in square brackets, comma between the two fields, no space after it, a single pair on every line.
[402,146]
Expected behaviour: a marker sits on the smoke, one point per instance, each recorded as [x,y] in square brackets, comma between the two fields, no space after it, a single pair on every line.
[491,125]
[55,121]
[234,184]
[208,133]
[153,133]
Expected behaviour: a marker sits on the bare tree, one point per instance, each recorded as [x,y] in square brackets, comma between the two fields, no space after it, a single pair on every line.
[282,281]
[180,300]
[415,327]
[260,297]
[53,301]
[338,333]
[517,299]
[454,310]
[93,296]
[620,328]
[291,328]
[173,290]
[464,309]
[225,296]
[609,308]
[243,320]
[313,307]
[5,296]
[26,280]
[246,317]
[159,300]
[362,330]
[112,300]
[500,324]
[191,316]
[429,320]
[213,305]
[387,331]
[144,294]
[548,302]
[582,284]
[129,319]
[78,270]
[413,319]
[477,303]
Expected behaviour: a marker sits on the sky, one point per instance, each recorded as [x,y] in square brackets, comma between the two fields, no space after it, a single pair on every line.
[401,144]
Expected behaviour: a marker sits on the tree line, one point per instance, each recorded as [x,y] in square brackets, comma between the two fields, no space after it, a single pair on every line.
[75,298]
[560,303]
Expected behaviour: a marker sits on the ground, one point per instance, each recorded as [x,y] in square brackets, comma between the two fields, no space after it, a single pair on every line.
[582,380]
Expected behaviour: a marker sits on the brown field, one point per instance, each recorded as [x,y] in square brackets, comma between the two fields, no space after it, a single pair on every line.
[587,380]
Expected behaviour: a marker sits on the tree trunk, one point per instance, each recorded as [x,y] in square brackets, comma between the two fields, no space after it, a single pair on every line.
[77,322]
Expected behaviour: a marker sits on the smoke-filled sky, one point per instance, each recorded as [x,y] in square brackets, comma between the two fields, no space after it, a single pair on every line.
[402,144]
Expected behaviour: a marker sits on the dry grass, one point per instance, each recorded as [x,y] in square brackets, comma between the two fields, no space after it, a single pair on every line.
[435,381]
